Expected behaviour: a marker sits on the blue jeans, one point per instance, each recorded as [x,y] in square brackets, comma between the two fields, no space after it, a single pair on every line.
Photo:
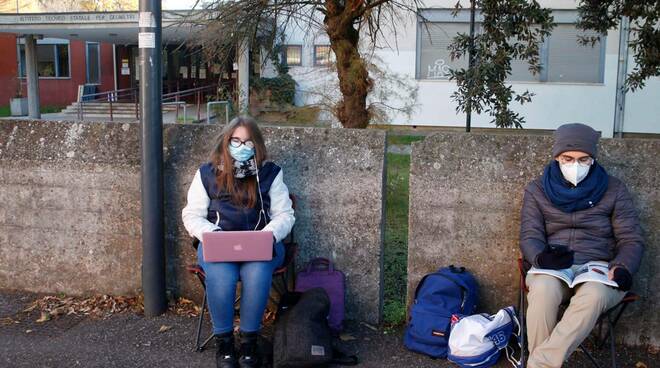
[221,280]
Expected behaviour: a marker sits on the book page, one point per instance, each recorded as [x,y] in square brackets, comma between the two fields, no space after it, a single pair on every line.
[595,271]
[565,274]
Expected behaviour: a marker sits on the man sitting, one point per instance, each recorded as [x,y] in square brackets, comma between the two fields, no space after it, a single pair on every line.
[573,214]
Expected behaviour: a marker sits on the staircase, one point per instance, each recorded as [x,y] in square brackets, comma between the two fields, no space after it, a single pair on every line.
[101,111]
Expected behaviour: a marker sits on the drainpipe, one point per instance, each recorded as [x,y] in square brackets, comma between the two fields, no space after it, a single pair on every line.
[622,71]
[114,64]
[468,110]
[151,121]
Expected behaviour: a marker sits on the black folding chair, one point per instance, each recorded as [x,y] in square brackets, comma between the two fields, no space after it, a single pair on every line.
[283,280]
[599,336]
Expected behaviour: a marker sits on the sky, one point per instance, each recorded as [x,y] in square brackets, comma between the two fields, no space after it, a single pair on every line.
[177,4]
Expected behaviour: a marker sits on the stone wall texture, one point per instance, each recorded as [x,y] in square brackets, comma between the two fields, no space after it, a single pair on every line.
[70,215]
[465,198]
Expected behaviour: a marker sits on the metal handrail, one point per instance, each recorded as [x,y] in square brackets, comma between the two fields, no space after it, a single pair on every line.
[208,110]
[110,96]
[171,98]
[188,92]
[177,103]
[116,91]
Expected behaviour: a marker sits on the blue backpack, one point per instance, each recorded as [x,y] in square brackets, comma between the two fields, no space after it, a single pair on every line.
[439,295]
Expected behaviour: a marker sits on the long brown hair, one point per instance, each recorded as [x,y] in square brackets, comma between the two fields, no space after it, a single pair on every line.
[243,191]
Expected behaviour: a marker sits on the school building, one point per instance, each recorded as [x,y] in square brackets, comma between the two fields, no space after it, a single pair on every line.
[99,50]
[576,84]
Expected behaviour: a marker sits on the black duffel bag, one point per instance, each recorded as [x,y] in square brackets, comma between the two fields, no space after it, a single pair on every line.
[302,336]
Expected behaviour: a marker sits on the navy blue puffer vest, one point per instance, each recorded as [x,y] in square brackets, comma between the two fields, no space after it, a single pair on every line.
[233,217]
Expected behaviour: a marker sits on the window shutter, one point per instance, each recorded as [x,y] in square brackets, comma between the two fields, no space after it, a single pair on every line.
[568,61]
[435,61]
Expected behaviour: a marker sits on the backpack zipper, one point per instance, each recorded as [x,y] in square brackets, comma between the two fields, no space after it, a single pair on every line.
[463,290]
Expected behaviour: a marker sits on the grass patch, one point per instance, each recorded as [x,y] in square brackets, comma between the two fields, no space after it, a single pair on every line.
[5,111]
[403,139]
[50,109]
[396,238]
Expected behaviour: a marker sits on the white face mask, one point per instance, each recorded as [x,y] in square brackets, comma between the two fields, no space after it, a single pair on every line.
[574,172]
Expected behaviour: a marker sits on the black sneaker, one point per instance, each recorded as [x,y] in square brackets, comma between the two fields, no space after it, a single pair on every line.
[225,355]
[249,353]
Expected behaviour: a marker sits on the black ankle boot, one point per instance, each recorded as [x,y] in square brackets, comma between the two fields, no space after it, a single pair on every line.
[249,354]
[225,355]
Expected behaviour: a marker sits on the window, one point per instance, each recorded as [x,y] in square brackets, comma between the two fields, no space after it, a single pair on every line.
[93,57]
[52,60]
[433,55]
[563,59]
[322,55]
[293,55]
[568,61]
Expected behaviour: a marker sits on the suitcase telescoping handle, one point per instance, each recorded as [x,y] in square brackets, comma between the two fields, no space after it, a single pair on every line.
[320,264]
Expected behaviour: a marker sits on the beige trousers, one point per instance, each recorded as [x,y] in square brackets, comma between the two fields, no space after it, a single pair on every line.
[550,342]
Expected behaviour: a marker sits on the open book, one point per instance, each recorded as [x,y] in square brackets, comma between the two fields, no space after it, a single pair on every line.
[595,271]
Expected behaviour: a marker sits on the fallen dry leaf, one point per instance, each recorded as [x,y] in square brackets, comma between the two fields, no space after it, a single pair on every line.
[45,316]
[164,328]
[346,337]
[100,306]
[369,326]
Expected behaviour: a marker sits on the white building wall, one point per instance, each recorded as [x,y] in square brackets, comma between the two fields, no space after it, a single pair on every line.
[642,114]
[553,104]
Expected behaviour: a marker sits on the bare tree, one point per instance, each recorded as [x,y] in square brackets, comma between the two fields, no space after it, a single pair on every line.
[262,22]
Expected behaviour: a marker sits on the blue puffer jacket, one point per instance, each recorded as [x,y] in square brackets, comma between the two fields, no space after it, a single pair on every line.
[231,216]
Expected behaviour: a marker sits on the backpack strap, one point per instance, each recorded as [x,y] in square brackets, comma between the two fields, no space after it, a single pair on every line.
[320,264]
[420,283]
[516,363]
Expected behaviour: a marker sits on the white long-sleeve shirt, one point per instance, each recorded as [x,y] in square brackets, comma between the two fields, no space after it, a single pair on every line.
[196,210]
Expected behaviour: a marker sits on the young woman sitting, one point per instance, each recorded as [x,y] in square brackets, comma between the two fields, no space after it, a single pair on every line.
[238,190]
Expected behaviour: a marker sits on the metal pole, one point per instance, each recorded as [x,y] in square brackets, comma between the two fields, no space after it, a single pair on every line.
[622,71]
[468,109]
[151,120]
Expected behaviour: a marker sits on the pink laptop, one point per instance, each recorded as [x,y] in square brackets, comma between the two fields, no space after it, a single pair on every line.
[237,246]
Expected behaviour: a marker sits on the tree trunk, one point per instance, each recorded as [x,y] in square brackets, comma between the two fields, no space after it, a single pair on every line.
[354,81]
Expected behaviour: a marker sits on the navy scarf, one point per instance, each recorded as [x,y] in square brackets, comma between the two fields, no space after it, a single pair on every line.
[569,198]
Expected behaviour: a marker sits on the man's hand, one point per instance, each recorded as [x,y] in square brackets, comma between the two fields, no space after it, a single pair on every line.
[621,276]
[555,257]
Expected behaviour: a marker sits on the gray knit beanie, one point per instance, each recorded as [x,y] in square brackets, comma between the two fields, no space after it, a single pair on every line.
[575,137]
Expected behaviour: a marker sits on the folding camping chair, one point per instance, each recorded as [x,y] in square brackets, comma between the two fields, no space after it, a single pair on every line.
[609,317]
[282,280]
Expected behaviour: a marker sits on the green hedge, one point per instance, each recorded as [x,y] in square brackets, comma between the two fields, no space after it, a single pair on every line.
[282,88]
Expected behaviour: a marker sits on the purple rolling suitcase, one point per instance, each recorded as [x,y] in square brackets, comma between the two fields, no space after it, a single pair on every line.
[320,272]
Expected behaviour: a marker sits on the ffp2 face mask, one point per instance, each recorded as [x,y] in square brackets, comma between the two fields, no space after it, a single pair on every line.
[574,173]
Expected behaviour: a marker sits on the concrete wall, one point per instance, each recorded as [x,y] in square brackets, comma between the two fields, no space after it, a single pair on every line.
[337,177]
[70,214]
[465,198]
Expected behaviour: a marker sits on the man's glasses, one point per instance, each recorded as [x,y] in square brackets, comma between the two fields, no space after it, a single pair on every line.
[582,161]
[237,142]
